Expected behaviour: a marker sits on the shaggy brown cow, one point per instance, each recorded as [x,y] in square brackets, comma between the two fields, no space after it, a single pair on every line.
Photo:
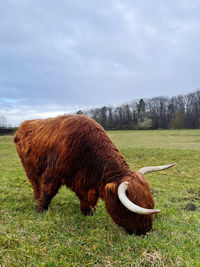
[76,151]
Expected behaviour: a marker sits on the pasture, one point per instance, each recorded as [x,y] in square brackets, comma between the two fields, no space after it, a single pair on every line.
[64,237]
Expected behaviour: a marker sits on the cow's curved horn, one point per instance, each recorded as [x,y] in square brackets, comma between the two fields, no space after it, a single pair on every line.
[130,205]
[155,168]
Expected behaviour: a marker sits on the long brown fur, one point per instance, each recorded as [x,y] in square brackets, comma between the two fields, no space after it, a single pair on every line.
[76,151]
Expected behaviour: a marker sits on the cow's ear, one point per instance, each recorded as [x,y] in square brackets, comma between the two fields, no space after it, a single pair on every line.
[109,189]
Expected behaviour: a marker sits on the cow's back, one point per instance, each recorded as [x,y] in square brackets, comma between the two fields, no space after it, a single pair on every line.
[58,142]
[71,147]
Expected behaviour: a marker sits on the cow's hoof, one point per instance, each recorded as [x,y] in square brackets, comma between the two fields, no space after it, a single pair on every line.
[40,209]
[87,213]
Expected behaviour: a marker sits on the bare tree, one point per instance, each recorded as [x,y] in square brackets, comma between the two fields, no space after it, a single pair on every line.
[3,122]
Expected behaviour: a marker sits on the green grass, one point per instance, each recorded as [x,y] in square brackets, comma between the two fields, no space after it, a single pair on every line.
[64,237]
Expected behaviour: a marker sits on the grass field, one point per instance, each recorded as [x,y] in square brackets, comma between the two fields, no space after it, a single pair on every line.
[64,237]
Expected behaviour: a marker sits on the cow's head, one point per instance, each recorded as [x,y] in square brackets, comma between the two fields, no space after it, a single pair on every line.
[130,203]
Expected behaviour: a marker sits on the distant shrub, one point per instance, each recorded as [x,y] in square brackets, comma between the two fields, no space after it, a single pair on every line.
[144,124]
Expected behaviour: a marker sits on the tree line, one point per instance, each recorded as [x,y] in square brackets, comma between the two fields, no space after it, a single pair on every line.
[4,127]
[176,112]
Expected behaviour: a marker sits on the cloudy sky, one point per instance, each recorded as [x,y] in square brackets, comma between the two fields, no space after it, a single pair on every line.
[61,56]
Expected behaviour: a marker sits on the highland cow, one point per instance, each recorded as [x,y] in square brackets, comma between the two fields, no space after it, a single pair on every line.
[75,151]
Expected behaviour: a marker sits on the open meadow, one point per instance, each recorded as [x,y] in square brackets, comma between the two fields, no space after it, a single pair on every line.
[64,237]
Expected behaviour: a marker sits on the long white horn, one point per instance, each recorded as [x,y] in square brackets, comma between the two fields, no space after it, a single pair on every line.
[130,205]
[155,168]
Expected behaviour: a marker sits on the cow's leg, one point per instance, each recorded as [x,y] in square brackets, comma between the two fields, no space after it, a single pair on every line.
[48,189]
[34,182]
[36,188]
[85,208]
[84,205]
[88,201]
[92,197]
[47,193]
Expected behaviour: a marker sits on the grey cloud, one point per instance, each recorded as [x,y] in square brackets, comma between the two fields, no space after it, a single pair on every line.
[87,53]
